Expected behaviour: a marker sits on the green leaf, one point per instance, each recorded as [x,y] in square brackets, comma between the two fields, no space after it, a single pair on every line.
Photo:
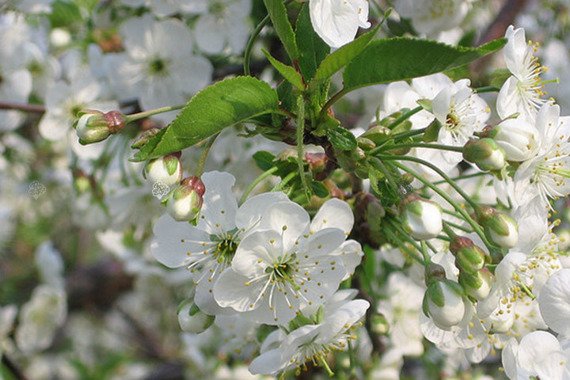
[312,49]
[64,14]
[278,14]
[216,107]
[319,189]
[341,139]
[395,59]
[341,57]
[264,159]
[288,72]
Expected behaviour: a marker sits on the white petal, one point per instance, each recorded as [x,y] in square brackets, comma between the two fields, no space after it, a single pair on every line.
[231,291]
[257,251]
[287,218]
[220,205]
[334,213]
[250,212]
[175,242]
[554,301]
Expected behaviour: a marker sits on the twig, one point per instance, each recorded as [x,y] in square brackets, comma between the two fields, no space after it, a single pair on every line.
[25,107]
[505,17]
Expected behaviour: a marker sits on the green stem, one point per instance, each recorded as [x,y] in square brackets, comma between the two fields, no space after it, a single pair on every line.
[399,136]
[447,179]
[445,196]
[325,365]
[336,97]
[250,42]
[405,117]
[418,145]
[460,177]
[405,236]
[141,115]
[425,253]
[300,146]
[204,155]
[449,231]
[378,164]
[457,226]
[392,235]
[483,89]
[256,182]
[284,181]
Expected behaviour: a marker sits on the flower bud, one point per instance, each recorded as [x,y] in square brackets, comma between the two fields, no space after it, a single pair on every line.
[421,217]
[166,170]
[317,161]
[468,257]
[517,138]
[95,126]
[444,304]
[500,228]
[185,201]
[379,324]
[485,153]
[192,319]
[478,284]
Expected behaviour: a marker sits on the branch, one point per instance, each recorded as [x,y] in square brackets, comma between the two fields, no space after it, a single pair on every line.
[505,17]
[31,108]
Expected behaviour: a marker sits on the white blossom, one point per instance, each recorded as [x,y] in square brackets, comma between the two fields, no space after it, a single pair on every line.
[337,21]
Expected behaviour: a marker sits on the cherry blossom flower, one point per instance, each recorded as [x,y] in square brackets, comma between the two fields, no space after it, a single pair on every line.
[337,21]
[522,92]
[312,342]
[288,264]
[209,248]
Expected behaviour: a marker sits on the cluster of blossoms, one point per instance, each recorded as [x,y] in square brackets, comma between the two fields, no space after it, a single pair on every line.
[298,233]
[266,262]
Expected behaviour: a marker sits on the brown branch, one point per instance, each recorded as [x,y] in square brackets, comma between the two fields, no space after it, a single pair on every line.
[505,17]
[497,29]
[24,107]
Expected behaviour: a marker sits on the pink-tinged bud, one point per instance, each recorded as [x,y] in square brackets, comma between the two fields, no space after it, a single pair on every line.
[500,228]
[166,170]
[421,218]
[317,161]
[468,257]
[185,202]
[485,153]
[444,303]
[192,319]
[94,126]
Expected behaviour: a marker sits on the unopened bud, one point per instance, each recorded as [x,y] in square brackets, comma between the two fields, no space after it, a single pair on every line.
[95,126]
[192,319]
[317,161]
[379,324]
[185,201]
[421,218]
[517,138]
[444,304]
[485,153]
[468,257]
[500,228]
[166,170]
[434,272]
[478,284]
[365,144]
